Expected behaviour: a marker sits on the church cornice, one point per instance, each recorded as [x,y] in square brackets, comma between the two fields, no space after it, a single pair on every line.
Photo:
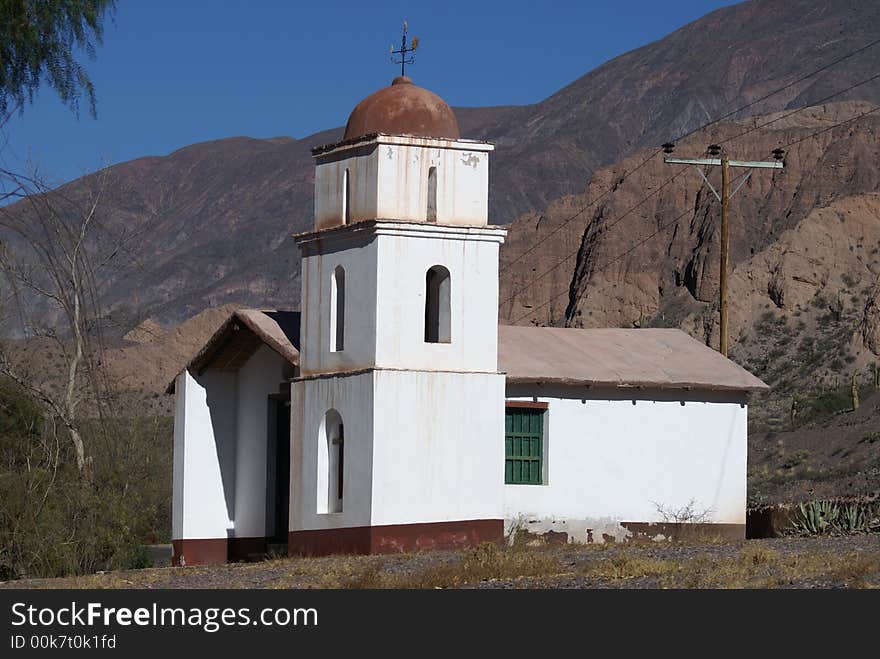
[347,373]
[361,233]
[461,144]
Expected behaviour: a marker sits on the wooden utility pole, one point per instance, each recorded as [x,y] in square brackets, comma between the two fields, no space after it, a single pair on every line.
[725,196]
[725,247]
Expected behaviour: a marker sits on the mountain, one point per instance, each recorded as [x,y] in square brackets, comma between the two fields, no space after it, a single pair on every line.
[640,248]
[211,223]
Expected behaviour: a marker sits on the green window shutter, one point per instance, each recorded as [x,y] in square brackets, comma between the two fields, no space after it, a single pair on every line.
[523,446]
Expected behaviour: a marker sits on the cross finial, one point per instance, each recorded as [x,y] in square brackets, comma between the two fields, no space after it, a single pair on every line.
[404,49]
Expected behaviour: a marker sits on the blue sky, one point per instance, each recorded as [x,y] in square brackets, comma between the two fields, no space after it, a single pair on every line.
[171,73]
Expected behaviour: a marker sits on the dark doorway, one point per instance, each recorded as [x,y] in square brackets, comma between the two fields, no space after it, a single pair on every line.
[278,472]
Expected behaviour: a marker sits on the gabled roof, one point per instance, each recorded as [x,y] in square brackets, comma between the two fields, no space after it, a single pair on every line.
[242,334]
[648,358]
[654,358]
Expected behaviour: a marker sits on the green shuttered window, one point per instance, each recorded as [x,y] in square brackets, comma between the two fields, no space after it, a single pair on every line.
[523,446]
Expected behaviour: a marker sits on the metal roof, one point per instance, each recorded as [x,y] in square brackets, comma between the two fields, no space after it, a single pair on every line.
[648,358]
[652,358]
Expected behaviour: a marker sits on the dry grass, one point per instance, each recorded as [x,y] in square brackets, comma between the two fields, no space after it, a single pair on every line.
[485,563]
[626,566]
[752,564]
[759,567]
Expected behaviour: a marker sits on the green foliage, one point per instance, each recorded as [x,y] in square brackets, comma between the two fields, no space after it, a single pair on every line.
[831,518]
[815,518]
[38,43]
[870,437]
[855,518]
[55,520]
[824,404]
[795,459]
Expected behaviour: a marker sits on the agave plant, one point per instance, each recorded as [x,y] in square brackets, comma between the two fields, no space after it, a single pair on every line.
[853,518]
[815,518]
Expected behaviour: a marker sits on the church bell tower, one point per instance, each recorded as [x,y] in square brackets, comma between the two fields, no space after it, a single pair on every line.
[398,410]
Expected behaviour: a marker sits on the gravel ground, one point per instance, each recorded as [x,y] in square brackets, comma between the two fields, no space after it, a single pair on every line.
[817,562]
[837,551]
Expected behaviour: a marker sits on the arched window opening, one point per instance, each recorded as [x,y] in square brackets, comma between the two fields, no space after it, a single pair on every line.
[346,196]
[432,195]
[438,319]
[331,464]
[337,310]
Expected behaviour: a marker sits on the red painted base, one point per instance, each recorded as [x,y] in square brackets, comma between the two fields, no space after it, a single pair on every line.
[205,551]
[395,538]
[215,551]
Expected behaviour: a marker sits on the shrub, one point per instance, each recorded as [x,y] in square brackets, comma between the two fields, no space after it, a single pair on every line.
[55,520]
[829,517]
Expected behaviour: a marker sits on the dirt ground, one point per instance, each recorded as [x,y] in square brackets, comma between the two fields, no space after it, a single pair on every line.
[836,456]
[816,562]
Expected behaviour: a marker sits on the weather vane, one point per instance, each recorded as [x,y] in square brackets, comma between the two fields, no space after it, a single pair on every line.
[404,60]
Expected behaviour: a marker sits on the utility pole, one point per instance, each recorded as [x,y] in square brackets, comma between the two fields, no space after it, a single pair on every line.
[726,163]
[725,249]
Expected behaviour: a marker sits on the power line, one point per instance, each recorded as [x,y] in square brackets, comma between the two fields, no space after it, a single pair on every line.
[611,262]
[644,162]
[607,227]
[788,114]
[784,87]
[837,125]
[565,222]
[668,224]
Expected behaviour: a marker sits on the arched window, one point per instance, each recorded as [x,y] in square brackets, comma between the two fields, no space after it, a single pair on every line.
[331,463]
[438,319]
[337,310]
[346,196]
[432,195]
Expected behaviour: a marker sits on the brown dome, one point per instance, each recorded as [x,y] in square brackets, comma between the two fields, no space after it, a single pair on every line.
[402,109]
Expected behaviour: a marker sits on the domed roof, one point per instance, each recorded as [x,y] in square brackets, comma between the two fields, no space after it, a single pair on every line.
[402,109]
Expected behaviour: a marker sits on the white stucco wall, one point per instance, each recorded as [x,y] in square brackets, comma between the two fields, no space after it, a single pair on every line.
[352,398]
[385,299]
[204,455]
[462,182]
[362,163]
[260,376]
[419,447]
[221,425]
[472,262]
[388,179]
[435,449]
[359,263]
[609,460]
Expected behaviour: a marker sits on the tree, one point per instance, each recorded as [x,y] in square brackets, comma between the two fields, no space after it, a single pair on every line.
[84,477]
[39,40]
[48,261]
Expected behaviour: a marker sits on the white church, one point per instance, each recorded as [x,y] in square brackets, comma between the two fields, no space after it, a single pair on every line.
[394,414]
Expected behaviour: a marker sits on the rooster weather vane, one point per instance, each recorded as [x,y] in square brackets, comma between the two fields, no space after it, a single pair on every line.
[404,49]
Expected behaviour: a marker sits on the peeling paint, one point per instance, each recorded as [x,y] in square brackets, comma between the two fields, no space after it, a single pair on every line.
[535,531]
[574,531]
[470,160]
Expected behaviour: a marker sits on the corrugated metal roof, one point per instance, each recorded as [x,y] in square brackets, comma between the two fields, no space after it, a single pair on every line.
[656,358]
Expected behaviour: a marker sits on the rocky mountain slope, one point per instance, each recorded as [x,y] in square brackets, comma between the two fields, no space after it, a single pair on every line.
[211,223]
[140,365]
[645,232]
[805,253]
